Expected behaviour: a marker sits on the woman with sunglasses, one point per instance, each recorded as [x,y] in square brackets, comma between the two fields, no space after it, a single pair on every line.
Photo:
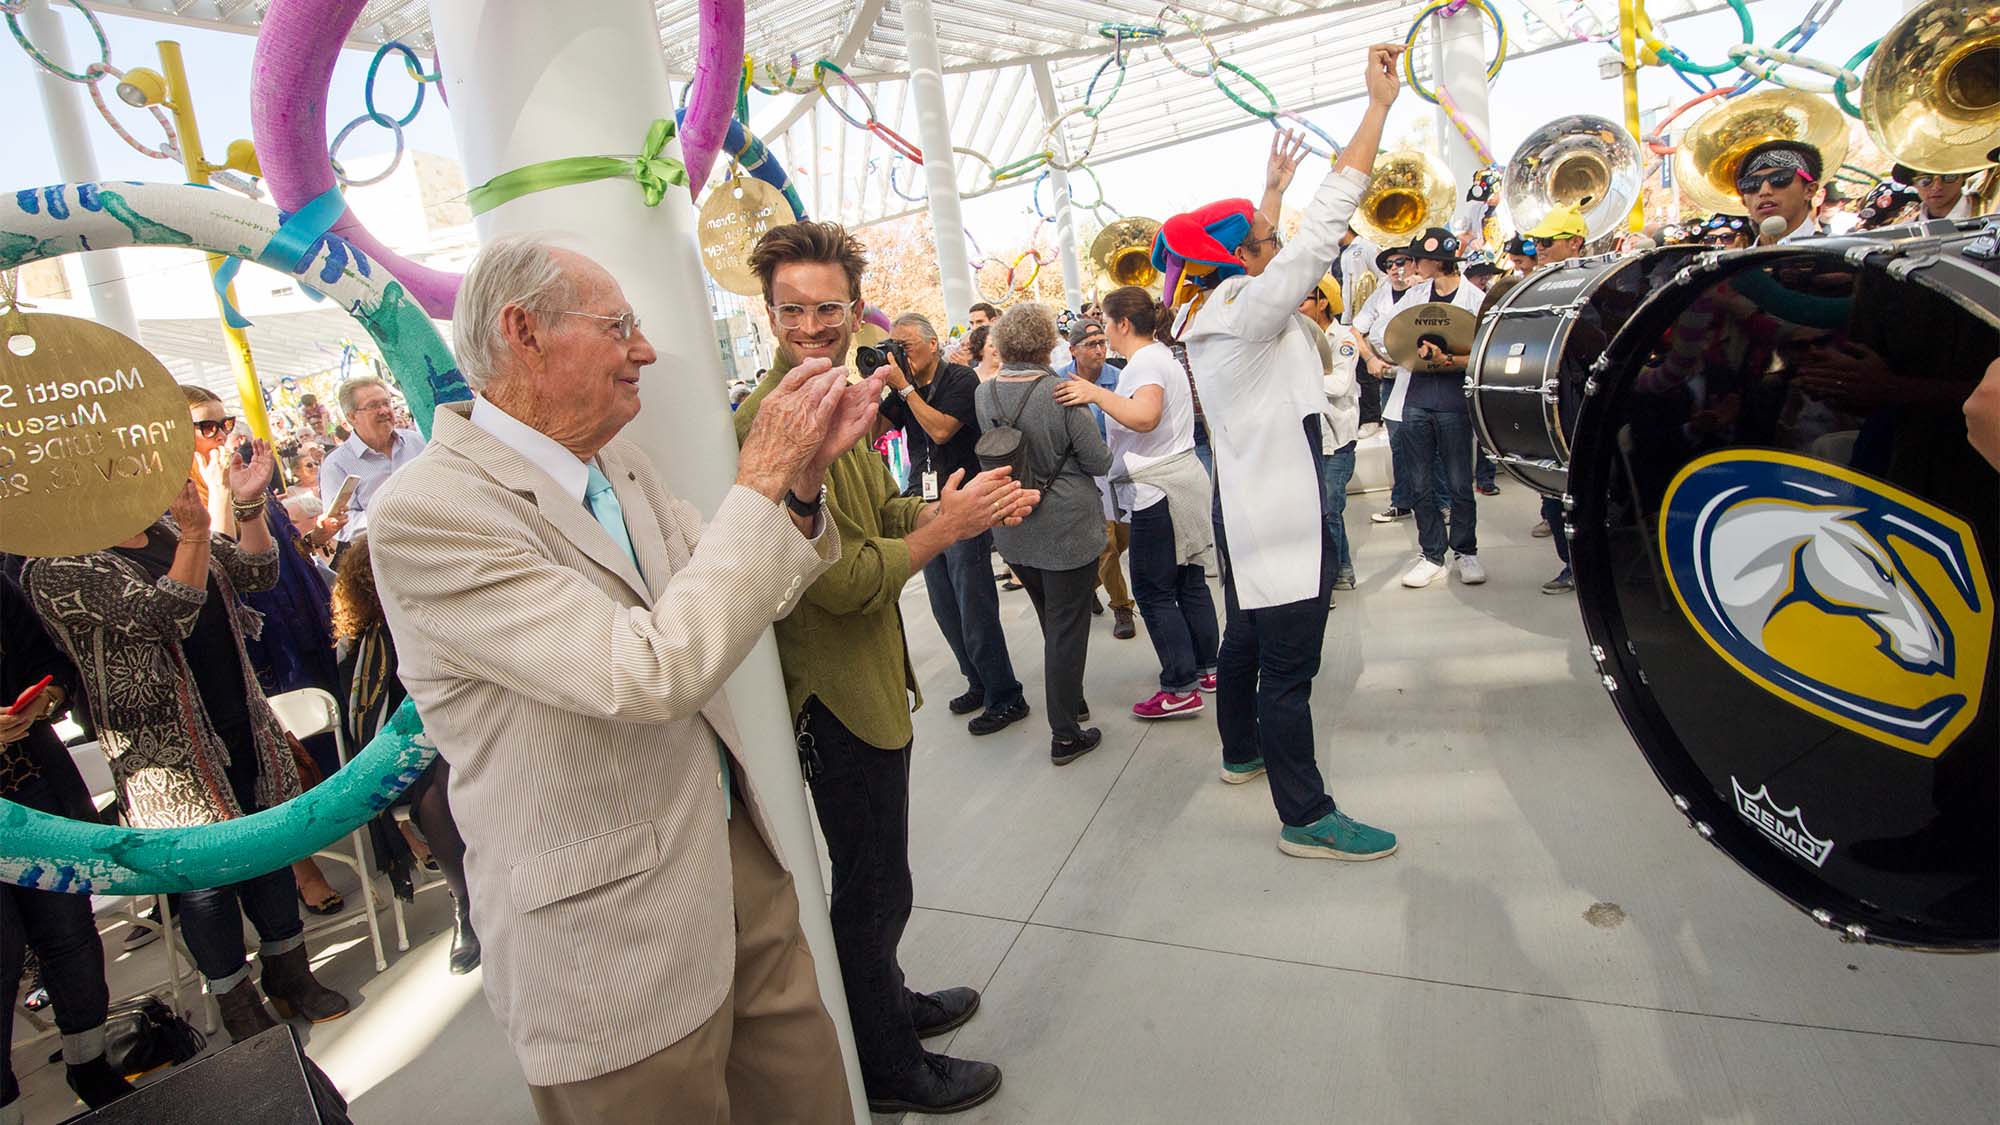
[155,630]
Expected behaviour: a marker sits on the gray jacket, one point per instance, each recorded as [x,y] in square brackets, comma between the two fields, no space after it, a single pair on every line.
[1066,530]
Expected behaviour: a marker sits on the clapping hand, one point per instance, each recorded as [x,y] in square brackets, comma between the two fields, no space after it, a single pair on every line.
[986,501]
[811,417]
[189,512]
[247,482]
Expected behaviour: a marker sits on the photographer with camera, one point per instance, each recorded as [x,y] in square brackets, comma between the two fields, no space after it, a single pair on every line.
[848,680]
[931,400]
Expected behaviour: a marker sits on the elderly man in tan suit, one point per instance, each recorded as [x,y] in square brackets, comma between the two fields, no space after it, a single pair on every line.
[565,626]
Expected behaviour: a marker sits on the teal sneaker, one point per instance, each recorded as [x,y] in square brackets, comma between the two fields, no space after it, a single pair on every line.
[1337,836]
[1236,773]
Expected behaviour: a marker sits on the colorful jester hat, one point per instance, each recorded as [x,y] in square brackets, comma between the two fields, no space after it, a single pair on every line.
[1196,250]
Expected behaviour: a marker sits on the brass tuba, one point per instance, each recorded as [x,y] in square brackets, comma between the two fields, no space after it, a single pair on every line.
[1409,191]
[1590,163]
[1715,144]
[1931,95]
[1122,254]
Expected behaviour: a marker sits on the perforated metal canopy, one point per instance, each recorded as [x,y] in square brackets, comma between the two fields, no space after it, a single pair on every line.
[1305,53]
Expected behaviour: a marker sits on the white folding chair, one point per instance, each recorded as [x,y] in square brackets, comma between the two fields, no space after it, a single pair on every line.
[418,884]
[305,713]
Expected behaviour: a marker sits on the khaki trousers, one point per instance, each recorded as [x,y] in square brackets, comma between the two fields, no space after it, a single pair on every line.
[1117,537]
[769,1054]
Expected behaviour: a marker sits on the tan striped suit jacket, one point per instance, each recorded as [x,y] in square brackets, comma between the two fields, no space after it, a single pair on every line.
[578,704]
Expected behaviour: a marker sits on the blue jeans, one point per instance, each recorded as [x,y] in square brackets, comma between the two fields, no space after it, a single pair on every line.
[1264,674]
[1402,477]
[1447,435]
[1174,600]
[966,603]
[1552,511]
[1335,470]
[61,931]
[1484,470]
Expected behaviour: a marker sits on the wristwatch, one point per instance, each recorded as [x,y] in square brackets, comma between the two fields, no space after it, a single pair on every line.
[907,389]
[806,509]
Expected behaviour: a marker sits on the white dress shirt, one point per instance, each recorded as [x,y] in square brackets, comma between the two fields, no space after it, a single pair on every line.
[541,450]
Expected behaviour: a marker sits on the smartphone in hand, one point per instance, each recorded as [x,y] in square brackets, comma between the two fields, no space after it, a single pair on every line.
[29,696]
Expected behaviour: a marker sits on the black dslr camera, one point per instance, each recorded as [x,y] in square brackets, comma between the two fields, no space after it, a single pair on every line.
[868,357]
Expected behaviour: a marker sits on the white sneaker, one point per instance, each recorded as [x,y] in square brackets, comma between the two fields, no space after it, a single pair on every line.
[1422,574]
[1470,571]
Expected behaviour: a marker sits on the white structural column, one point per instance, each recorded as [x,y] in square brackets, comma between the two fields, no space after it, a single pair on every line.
[1458,60]
[63,109]
[1072,273]
[535,82]
[940,172]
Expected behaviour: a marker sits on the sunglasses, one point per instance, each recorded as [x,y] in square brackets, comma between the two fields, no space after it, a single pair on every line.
[1928,181]
[1399,263]
[215,429]
[1779,181]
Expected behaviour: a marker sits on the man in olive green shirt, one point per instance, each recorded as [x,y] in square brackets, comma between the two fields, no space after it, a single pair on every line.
[850,685]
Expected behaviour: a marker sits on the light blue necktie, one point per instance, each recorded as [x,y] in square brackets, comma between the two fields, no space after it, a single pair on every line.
[603,504]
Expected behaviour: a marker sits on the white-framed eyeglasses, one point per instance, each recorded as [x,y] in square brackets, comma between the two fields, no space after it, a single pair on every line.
[831,314]
[624,326]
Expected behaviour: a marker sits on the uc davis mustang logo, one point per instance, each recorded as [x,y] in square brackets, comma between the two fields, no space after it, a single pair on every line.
[1836,592]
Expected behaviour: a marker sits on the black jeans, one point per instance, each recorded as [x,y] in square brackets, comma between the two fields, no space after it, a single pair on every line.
[1174,600]
[966,604]
[212,919]
[1552,511]
[1446,435]
[62,932]
[861,794]
[1264,675]
[1062,604]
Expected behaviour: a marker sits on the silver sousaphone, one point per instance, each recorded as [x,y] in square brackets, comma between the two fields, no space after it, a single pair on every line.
[1590,163]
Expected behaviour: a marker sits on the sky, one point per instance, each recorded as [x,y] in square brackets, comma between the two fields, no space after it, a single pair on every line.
[1527,93]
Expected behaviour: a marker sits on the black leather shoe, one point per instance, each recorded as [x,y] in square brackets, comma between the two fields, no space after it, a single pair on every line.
[968,703]
[1063,753]
[935,1013]
[938,1084]
[99,1085]
[988,721]
[464,941]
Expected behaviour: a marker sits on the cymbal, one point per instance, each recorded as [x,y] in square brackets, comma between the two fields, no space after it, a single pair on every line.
[1433,320]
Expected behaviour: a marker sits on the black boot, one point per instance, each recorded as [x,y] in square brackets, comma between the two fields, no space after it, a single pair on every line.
[96,1083]
[243,1013]
[295,993]
[464,942]
[937,1084]
[935,1013]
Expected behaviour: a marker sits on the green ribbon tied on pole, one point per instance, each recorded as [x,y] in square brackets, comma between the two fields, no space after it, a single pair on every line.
[653,171]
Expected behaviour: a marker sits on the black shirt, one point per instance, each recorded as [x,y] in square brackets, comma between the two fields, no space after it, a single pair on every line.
[949,393]
[210,650]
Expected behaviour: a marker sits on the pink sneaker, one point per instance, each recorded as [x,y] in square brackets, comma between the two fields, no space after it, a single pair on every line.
[1167,705]
[1207,682]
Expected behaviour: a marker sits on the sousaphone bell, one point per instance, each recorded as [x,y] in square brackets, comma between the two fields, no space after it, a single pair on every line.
[1409,190]
[1931,94]
[1122,254]
[1716,143]
[1590,163]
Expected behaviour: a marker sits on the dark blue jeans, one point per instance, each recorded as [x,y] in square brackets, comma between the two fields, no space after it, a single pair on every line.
[1447,434]
[61,931]
[1401,476]
[1174,600]
[1484,471]
[1264,674]
[1335,470]
[861,795]
[1552,511]
[966,603]
[212,919]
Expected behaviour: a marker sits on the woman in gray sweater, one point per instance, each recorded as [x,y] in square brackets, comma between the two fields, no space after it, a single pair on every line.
[1054,552]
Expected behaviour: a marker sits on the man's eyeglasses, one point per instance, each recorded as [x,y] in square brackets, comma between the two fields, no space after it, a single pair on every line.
[215,429]
[828,314]
[1276,242]
[1543,243]
[624,326]
[1399,263]
[1779,181]
[1927,180]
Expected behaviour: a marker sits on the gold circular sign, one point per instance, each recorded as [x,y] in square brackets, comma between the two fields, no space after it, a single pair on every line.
[733,217]
[94,436]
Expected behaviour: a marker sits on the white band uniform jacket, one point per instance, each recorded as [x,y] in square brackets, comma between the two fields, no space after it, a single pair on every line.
[1258,370]
[579,705]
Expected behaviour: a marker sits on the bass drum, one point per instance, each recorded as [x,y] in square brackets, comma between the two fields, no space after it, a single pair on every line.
[1534,350]
[1785,553]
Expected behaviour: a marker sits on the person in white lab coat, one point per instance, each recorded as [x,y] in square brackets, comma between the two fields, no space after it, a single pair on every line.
[1258,370]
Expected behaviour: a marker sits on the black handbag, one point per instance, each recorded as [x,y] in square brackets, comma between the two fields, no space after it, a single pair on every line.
[143,1034]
